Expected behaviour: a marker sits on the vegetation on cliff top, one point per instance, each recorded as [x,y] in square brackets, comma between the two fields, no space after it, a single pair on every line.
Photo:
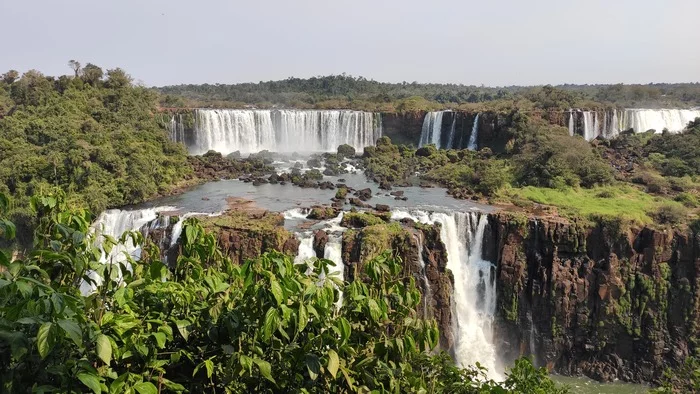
[344,91]
[640,178]
[93,135]
[206,325]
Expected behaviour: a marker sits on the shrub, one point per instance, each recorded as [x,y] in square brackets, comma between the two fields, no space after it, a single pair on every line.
[670,213]
[346,150]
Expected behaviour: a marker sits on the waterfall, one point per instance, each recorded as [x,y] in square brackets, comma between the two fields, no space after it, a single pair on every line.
[176,128]
[427,292]
[614,129]
[306,248]
[450,140]
[432,129]
[474,137]
[296,213]
[114,223]
[474,298]
[590,125]
[643,120]
[334,253]
[572,130]
[250,131]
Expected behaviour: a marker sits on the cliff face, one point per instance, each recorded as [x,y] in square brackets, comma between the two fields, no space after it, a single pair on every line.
[245,235]
[492,129]
[606,303]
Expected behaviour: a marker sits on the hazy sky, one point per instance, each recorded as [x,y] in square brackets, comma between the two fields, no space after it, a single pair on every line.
[496,42]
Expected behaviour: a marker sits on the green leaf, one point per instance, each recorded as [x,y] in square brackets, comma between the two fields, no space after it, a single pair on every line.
[160,339]
[271,321]
[333,362]
[265,369]
[72,329]
[116,386]
[345,330]
[277,291]
[246,363]
[313,365]
[104,349]
[303,318]
[45,339]
[182,328]
[374,311]
[172,386]
[209,365]
[145,388]
[91,381]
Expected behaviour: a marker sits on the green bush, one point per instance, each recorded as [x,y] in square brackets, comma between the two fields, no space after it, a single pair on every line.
[346,150]
[670,213]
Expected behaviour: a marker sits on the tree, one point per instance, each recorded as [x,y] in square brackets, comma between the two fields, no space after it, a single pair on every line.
[117,78]
[10,76]
[92,74]
[75,66]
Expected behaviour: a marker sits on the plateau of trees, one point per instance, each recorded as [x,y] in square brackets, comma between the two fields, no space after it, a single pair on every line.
[345,91]
[203,324]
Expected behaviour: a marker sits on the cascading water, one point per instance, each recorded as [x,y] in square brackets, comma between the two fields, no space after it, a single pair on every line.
[432,129]
[474,136]
[114,223]
[427,292]
[334,253]
[613,130]
[673,120]
[249,131]
[641,120]
[176,128]
[474,290]
[590,125]
[572,130]
[451,139]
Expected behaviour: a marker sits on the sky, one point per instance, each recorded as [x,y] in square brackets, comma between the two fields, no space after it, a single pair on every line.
[492,43]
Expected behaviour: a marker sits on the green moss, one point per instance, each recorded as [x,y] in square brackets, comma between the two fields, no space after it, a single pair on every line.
[322,213]
[364,219]
[341,193]
[511,309]
[376,239]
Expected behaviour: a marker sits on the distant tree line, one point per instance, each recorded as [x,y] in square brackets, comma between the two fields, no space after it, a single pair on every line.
[360,93]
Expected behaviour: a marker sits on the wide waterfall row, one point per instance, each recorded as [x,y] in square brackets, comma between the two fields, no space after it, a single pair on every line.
[608,124]
[250,131]
[447,130]
[474,298]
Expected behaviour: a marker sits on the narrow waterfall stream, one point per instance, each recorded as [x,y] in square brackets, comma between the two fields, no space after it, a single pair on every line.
[474,136]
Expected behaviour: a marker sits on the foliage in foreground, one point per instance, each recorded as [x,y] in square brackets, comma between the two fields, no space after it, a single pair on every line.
[685,379]
[207,325]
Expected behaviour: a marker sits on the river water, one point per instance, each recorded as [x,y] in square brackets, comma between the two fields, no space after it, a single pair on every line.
[588,386]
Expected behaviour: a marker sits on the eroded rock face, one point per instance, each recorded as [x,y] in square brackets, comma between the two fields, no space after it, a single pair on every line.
[319,244]
[245,235]
[607,303]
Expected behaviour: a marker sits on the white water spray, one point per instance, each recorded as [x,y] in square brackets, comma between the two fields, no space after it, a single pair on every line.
[474,136]
[432,129]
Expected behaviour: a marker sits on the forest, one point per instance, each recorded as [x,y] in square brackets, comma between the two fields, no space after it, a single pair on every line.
[94,135]
[346,91]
